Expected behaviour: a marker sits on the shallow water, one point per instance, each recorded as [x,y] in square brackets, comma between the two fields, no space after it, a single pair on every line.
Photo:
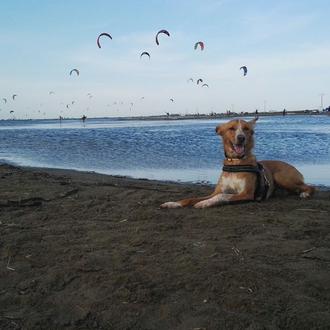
[187,150]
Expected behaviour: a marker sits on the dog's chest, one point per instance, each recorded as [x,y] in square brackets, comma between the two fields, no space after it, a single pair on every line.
[232,183]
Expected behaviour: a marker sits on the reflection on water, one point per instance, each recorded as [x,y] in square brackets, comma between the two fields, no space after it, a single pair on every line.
[166,150]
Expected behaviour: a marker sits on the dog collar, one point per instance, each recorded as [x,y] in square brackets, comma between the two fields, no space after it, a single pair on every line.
[229,159]
[233,159]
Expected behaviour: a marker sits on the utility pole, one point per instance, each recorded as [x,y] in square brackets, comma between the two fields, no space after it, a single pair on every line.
[321,95]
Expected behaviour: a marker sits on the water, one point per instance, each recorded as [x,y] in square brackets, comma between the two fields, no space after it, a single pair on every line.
[187,150]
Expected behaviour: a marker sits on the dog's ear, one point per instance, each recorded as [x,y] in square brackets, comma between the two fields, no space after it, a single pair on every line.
[219,129]
[253,121]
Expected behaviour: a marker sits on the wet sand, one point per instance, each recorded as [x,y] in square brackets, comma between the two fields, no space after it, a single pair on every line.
[88,251]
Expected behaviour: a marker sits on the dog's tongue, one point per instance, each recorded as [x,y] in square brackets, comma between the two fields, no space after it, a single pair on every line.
[239,149]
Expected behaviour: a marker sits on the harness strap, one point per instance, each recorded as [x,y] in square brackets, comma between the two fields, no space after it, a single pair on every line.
[241,168]
[262,184]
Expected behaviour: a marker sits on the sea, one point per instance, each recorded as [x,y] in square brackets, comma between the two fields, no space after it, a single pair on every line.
[169,150]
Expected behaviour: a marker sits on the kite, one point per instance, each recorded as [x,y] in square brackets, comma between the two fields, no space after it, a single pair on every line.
[101,35]
[159,32]
[199,43]
[145,53]
[76,71]
[244,69]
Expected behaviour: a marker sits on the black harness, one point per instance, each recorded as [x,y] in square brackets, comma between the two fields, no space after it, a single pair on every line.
[262,184]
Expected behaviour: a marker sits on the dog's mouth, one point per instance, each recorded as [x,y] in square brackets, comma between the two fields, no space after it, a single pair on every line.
[239,149]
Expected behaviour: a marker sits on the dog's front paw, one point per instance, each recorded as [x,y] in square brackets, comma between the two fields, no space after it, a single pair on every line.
[171,205]
[202,205]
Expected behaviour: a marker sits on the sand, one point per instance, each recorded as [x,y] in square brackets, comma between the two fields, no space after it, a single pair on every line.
[88,251]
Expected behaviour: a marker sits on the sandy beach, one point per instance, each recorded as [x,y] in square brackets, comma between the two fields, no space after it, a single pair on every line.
[84,250]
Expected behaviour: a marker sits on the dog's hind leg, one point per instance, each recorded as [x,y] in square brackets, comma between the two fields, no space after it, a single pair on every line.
[306,190]
[293,183]
[288,177]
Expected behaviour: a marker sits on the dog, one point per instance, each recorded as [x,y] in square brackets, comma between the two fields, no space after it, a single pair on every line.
[242,177]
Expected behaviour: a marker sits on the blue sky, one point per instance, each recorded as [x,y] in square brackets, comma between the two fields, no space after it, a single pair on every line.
[284,44]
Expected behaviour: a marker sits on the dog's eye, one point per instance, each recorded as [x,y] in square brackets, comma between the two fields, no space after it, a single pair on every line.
[246,129]
[231,128]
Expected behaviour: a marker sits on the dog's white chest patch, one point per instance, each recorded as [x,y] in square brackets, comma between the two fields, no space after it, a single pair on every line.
[231,183]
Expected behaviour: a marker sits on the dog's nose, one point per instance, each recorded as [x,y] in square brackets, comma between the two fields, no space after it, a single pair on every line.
[240,138]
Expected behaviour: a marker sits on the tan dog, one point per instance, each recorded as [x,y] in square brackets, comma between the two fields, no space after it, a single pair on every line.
[243,178]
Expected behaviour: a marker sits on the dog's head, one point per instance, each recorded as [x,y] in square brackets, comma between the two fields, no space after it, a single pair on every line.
[237,136]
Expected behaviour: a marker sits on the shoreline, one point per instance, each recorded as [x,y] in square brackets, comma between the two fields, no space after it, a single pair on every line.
[81,250]
[313,112]
[319,187]
[71,171]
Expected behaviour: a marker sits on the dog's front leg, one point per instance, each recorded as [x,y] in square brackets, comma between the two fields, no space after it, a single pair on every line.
[221,199]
